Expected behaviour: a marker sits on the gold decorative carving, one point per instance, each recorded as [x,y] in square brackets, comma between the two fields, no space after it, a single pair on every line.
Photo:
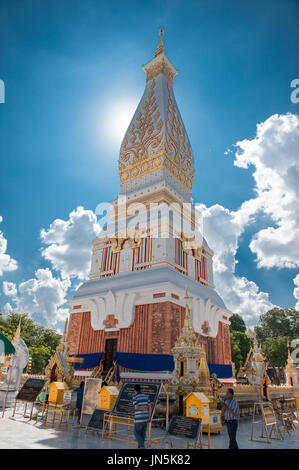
[177,143]
[150,146]
[157,69]
[133,235]
[189,242]
[146,134]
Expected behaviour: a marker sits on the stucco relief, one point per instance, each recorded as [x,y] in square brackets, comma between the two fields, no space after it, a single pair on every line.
[207,314]
[120,305]
[125,260]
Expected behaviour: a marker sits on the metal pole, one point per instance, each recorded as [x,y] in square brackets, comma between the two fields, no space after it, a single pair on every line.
[167,409]
[4,405]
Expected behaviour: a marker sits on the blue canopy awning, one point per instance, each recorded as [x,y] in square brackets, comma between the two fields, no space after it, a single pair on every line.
[145,362]
[223,371]
[162,363]
[90,360]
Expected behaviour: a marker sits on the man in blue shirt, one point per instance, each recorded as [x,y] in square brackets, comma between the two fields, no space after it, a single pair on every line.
[142,416]
[231,415]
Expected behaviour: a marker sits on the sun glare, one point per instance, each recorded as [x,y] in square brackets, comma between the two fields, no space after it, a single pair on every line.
[117,119]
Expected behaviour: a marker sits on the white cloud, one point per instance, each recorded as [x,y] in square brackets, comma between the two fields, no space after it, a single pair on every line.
[274,152]
[70,243]
[69,252]
[10,289]
[222,229]
[43,296]
[6,262]
[7,308]
[296,291]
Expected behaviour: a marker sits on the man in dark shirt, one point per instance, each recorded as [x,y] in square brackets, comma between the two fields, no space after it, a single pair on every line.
[142,407]
[231,415]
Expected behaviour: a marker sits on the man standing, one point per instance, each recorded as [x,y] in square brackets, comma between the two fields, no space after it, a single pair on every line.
[142,416]
[231,416]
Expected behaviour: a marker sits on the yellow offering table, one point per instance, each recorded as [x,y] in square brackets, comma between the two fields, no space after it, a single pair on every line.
[107,397]
[198,406]
[56,393]
[53,413]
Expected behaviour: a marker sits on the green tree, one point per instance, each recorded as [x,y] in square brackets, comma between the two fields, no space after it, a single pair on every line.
[276,328]
[275,350]
[41,341]
[237,323]
[278,322]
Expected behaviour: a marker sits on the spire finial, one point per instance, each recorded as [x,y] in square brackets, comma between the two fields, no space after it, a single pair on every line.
[254,337]
[290,360]
[160,47]
[17,334]
[187,313]
[187,316]
[65,327]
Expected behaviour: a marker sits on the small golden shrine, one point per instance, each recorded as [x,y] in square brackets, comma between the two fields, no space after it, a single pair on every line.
[204,384]
[198,406]
[57,390]
[107,397]
[186,353]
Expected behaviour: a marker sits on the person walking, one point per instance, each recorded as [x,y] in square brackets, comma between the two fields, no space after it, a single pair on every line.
[142,416]
[231,415]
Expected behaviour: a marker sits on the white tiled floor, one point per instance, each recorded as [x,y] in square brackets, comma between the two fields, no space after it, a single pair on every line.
[20,433]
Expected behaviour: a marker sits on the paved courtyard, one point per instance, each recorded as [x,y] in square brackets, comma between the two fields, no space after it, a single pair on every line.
[21,433]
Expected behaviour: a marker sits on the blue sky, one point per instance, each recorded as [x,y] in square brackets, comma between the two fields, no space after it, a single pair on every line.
[72,74]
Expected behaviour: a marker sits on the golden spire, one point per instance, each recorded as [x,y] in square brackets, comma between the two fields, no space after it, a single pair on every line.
[204,374]
[17,334]
[290,360]
[160,47]
[65,328]
[187,317]
[63,338]
[254,338]
[187,313]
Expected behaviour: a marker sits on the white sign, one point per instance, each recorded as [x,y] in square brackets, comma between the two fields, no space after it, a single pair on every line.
[193,410]
[69,396]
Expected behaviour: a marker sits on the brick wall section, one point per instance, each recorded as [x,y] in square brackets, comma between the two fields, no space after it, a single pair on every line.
[73,336]
[227,345]
[136,338]
[154,331]
[160,341]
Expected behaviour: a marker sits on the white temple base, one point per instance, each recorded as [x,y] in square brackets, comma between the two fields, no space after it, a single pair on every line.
[10,397]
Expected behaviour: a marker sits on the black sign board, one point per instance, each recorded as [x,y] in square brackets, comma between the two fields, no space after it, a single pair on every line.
[124,405]
[97,418]
[30,390]
[182,426]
